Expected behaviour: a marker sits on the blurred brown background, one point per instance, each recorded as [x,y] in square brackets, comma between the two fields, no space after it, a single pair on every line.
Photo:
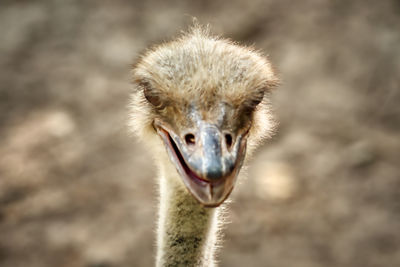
[76,190]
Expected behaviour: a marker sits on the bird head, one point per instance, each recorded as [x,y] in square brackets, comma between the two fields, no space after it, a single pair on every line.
[205,101]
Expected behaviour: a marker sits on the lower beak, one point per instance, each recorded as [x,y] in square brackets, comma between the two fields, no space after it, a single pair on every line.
[209,164]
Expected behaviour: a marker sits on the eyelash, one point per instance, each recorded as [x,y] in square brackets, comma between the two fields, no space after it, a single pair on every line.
[150,95]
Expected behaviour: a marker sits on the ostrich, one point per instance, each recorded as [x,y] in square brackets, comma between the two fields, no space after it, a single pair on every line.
[200,104]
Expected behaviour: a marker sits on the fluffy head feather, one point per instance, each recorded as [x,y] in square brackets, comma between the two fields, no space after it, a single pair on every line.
[202,71]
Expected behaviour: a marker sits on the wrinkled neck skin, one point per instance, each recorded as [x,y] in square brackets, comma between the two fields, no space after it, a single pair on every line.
[187,231]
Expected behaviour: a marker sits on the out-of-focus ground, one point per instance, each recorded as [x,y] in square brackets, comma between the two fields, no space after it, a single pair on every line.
[76,190]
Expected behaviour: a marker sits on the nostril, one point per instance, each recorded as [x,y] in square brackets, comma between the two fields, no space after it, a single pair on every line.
[228,140]
[190,140]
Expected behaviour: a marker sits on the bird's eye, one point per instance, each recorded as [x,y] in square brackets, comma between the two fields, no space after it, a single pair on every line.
[152,98]
[251,104]
[150,95]
[257,99]
[255,102]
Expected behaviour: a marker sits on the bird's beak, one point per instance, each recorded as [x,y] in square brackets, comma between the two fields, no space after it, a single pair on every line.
[207,159]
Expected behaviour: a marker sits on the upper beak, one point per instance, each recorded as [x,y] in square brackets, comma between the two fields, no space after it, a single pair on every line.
[207,159]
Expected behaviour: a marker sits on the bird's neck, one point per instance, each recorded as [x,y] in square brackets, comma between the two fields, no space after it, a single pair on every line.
[186,230]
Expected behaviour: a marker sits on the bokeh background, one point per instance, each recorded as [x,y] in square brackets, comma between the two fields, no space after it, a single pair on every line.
[77,191]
